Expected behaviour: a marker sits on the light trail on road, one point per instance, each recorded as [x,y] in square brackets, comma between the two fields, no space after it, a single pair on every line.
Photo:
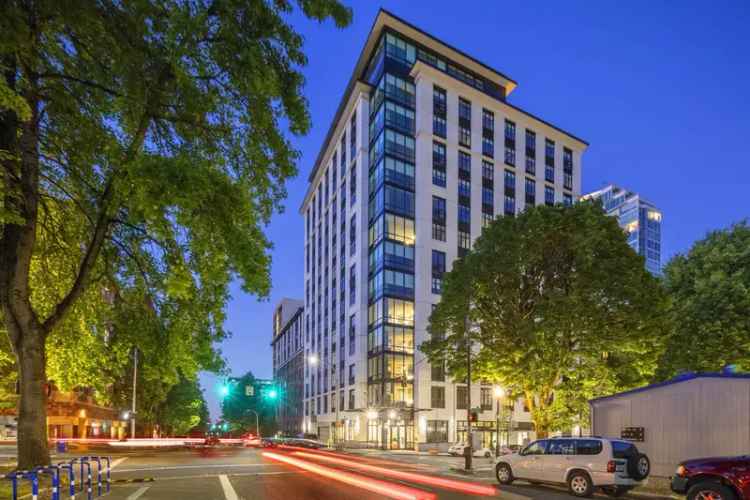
[389,490]
[460,486]
[362,458]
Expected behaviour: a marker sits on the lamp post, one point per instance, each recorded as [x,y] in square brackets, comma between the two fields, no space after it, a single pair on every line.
[314,360]
[257,427]
[499,394]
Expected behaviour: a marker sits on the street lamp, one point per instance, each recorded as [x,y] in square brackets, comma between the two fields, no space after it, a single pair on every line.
[372,415]
[499,394]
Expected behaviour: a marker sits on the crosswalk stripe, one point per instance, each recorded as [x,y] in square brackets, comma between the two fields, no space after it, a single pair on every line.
[138,493]
[117,462]
[229,492]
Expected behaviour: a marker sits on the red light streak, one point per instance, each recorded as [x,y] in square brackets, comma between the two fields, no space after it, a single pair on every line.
[381,487]
[359,458]
[439,482]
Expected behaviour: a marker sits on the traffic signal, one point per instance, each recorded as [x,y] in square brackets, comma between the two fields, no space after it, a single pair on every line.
[225,427]
[224,390]
[474,416]
[272,394]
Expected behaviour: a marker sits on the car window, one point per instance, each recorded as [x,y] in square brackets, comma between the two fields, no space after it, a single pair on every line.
[588,446]
[561,447]
[536,448]
[623,449]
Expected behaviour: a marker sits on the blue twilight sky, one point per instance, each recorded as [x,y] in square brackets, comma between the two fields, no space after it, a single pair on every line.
[659,89]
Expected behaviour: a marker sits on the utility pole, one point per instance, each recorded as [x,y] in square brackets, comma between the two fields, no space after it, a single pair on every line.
[135,378]
[468,451]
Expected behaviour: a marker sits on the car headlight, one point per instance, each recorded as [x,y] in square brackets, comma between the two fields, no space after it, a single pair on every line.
[681,471]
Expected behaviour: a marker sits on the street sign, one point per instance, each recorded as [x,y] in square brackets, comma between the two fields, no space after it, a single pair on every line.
[249,390]
[633,434]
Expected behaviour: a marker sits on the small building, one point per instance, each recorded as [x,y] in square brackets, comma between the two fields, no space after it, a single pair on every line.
[690,416]
[288,363]
[70,414]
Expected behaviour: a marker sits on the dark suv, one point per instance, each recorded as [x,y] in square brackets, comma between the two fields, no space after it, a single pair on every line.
[717,478]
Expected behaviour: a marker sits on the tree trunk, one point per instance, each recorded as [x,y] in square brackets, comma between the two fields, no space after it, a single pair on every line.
[32,409]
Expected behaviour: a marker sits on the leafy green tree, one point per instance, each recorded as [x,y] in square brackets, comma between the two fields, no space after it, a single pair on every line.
[238,408]
[151,137]
[559,309]
[710,309]
[184,409]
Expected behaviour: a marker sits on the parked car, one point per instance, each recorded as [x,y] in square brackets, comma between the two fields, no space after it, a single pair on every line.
[583,464]
[717,478]
[457,450]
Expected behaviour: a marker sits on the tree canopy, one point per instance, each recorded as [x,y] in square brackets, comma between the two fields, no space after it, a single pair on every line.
[559,309]
[143,146]
[710,309]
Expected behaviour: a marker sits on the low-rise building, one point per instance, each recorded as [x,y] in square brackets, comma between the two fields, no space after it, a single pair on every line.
[690,416]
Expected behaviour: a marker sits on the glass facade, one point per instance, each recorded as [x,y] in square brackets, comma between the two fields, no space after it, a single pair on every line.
[640,219]
[391,238]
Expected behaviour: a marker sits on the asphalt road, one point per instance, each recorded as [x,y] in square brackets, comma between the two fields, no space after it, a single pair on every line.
[295,474]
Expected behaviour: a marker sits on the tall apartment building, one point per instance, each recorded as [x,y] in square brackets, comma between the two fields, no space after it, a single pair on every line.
[423,152]
[288,363]
[640,219]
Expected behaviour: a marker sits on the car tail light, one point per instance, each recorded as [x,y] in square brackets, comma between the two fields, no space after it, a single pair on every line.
[681,471]
[611,466]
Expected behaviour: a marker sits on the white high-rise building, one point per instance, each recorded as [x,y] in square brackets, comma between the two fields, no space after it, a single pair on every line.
[424,151]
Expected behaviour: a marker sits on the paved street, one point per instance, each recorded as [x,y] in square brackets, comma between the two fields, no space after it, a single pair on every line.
[290,474]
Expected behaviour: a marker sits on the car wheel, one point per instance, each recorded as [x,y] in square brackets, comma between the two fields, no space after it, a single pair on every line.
[710,491]
[504,474]
[643,467]
[579,484]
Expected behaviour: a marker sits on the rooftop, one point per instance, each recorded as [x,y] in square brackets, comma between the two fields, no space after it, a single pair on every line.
[683,377]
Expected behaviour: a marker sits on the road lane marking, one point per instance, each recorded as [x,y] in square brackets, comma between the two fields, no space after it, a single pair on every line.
[138,493]
[227,487]
[117,462]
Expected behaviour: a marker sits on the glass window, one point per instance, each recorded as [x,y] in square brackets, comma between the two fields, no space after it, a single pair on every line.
[536,448]
[464,188]
[437,399]
[464,162]
[488,170]
[437,372]
[588,446]
[462,397]
[561,447]
[549,195]
[464,109]
[437,430]
[488,120]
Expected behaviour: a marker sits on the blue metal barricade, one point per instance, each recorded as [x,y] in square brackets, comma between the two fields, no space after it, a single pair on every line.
[109,470]
[56,472]
[29,476]
[71,477]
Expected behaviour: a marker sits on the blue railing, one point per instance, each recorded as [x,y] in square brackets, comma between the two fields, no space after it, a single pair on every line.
[103,477]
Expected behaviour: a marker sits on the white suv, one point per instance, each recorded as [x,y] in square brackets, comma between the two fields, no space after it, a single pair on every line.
[583,464]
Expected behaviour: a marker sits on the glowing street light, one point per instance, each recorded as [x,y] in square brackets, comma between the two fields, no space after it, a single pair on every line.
[499,392]
[313,359]
[372,415]
[392,415]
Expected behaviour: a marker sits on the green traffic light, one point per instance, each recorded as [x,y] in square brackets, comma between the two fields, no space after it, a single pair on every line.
[224,391]
[272,394]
